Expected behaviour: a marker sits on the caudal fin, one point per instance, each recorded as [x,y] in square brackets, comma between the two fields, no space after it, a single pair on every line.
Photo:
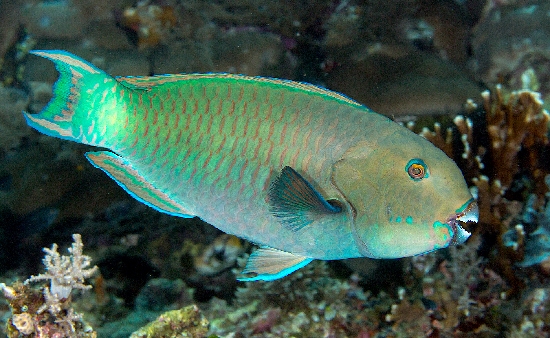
[80,98]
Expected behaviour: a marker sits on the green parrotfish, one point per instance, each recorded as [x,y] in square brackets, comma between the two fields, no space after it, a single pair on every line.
[304,172]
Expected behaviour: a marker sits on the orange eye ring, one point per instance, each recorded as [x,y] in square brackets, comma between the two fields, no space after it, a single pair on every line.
[417,169]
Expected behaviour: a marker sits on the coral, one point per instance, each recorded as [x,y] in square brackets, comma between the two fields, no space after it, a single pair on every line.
[534,310]
[459,295]
[307,303]
[267,320]
[185,322]
[151,23]
[517,128]
[409,318]
[442,142]
[23,322]
[29,316]
[515,122]
[531,237]
[511,146]
[64,273]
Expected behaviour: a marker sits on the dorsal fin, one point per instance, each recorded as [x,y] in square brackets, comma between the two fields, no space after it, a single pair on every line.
[147,82]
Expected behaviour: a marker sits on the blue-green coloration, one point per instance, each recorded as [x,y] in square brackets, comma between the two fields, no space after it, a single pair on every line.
[305,172]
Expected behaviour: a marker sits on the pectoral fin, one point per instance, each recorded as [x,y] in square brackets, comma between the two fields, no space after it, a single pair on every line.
[295,201]
[269,264]
[130,180]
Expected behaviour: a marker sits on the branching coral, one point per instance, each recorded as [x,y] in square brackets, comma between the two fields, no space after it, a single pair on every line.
[511,146]
[517,128]
[507,144]
[515,122]
[65,272]
[49,313]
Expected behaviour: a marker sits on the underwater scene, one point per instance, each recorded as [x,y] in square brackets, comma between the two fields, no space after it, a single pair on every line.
[208,168]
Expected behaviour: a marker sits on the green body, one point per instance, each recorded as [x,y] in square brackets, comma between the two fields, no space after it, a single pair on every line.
[211,145]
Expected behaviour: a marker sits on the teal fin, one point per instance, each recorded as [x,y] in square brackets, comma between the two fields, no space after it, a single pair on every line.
[295,202]
[67,115]
[269,264]
[129,179]
[140,82]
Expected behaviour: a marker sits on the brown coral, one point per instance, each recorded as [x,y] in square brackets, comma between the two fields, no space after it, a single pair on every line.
[515,122]
[516,127]
[151,23]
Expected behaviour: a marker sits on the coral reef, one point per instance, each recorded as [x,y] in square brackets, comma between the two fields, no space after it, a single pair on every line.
[403,58]
[64,273]
[516,124]
[505,163]
[48,313]
[309,303]
[531,237]
[186,322]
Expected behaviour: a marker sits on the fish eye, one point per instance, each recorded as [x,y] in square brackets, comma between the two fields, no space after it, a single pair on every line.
[417,169]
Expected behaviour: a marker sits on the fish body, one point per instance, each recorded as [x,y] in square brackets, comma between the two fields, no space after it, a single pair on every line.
[304,172]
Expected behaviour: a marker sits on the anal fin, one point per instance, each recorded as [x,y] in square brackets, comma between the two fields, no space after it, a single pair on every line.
[269,264]
[130,180]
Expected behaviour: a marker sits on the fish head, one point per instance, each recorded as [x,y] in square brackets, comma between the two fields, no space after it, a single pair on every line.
[406,196]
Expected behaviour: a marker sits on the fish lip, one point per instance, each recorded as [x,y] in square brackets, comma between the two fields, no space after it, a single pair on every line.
[468,214]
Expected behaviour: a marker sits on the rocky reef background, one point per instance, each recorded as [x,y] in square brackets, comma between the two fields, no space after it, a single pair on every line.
[472,76]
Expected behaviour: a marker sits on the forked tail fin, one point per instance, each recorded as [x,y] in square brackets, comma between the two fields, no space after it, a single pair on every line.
[83,106]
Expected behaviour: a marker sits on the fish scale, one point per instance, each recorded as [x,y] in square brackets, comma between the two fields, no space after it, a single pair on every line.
[249,153]
[302,171]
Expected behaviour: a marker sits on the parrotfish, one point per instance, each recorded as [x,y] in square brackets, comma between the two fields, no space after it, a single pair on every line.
[304,172]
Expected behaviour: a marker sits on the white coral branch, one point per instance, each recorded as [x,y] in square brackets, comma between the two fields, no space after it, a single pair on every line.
[66,272]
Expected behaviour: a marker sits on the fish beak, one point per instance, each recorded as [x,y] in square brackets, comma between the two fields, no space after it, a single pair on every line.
[457,222]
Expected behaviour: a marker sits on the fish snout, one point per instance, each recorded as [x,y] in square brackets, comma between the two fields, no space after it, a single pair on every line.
[461,222]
